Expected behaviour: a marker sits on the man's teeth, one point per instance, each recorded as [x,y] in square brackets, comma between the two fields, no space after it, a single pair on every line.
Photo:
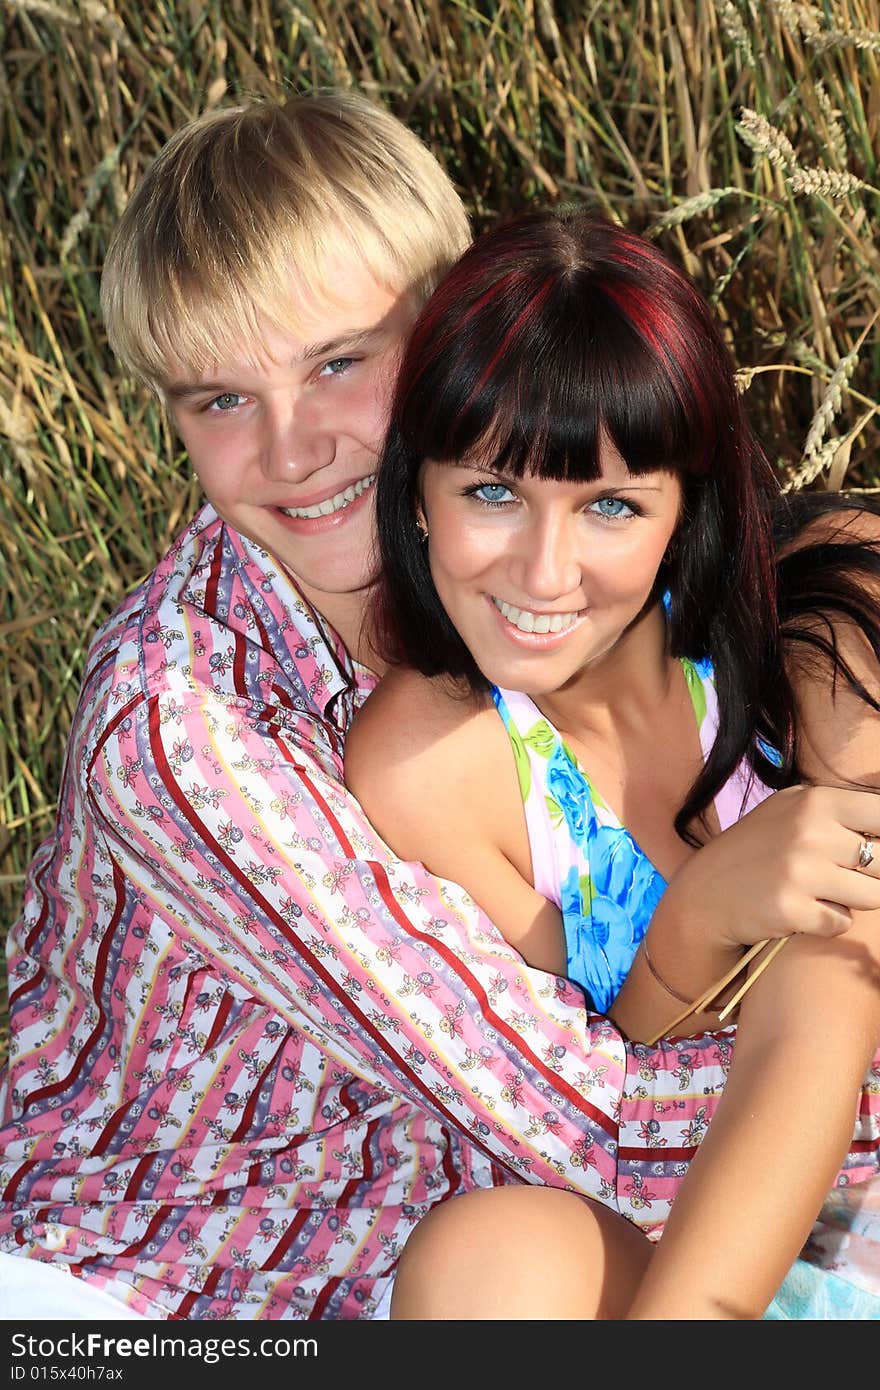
[332,504]
[535,622]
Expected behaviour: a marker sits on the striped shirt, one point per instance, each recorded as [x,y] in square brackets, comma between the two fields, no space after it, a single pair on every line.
[249,1047]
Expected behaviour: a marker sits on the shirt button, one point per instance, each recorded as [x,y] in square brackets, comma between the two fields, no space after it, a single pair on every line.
[54,1238]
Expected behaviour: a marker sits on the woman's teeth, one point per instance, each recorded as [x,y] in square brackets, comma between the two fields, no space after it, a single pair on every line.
[332,504]
[535,622]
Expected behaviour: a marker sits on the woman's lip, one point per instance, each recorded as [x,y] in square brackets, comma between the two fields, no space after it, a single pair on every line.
[534,640]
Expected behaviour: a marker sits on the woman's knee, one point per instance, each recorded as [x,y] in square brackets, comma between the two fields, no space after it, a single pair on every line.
[520,1252]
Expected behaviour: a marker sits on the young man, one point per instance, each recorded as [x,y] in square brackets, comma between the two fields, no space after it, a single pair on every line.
[249,1049]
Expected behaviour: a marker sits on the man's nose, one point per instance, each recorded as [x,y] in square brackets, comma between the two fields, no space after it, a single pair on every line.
[295,443]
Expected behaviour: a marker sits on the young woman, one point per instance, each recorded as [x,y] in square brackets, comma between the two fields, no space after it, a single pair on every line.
[603,661]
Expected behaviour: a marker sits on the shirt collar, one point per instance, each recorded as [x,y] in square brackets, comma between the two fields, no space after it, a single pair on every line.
[337,684]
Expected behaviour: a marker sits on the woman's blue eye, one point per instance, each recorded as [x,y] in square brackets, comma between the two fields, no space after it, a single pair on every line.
[613,507]
[492,492]
[228,401]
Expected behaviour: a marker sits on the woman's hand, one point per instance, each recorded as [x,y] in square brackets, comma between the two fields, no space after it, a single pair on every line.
[790,865]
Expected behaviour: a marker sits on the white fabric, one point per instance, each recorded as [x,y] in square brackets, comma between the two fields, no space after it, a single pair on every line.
[33,1291]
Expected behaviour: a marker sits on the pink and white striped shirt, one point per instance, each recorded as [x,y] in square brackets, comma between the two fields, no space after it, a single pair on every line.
[250,1048]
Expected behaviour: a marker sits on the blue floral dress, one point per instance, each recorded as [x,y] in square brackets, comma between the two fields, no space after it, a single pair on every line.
[606,889]
[583,859]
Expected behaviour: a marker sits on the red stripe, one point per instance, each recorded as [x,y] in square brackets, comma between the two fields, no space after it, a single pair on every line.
[458,968]
[283,697]
[247,1114]
[453,1174]
[656,1155]
[135,1249]
[324,1297]
[286,1241]
[117,719]
[497,1175]
[111,730]
[112,1126]
[139,1173]
[100,971]
[498,1023]
[351,1187]
[261,628]
[213,585]
[28,986]
[14,1183]
[37,928]
[206,1291]
[219,1022]
[238,666]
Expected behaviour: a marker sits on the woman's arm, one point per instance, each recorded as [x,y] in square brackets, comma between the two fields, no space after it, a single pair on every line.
[808,1030]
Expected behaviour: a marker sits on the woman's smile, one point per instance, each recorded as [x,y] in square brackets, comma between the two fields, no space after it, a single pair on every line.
[534,630]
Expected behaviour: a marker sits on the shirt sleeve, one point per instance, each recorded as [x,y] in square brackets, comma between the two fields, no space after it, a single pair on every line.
[238,831]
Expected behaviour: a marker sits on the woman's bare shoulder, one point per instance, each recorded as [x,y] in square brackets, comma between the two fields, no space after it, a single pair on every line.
[431,765]
[408,713]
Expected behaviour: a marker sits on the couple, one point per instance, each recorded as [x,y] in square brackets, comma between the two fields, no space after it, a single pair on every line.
[251,1048]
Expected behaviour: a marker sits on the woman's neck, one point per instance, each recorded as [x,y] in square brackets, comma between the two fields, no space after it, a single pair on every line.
[620,689]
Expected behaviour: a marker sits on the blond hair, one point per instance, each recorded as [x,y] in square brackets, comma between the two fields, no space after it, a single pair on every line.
[246,202]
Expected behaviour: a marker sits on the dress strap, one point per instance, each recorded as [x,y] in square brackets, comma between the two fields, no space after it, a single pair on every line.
[743,790]
[533,740]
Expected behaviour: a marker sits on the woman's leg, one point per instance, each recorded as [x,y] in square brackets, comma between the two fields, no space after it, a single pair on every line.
[520,1252]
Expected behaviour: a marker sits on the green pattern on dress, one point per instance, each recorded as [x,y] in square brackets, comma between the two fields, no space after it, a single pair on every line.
[695,686]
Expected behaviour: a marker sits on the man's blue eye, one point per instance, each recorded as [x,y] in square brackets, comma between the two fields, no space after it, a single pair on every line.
[337,366]
[228,401]
[492,492]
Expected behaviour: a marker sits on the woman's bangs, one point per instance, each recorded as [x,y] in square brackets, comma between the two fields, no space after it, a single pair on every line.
[640,402]
[578,373]
[547,422]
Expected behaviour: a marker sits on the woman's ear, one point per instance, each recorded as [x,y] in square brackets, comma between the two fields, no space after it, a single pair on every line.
[421,522]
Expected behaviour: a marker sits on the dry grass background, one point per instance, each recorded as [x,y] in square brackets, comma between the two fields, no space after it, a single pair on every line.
[744,134]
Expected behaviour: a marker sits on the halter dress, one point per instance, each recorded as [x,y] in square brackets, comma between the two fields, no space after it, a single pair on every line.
[583,859]
[606,888]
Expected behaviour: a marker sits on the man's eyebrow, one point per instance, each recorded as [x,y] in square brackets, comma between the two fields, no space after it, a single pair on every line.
[186,390]
[354,341]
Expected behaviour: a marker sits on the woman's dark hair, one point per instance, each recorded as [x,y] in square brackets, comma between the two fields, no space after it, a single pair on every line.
[827,573]
[552,332]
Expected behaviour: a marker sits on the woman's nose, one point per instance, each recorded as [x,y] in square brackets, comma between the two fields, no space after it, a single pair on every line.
[549,562]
